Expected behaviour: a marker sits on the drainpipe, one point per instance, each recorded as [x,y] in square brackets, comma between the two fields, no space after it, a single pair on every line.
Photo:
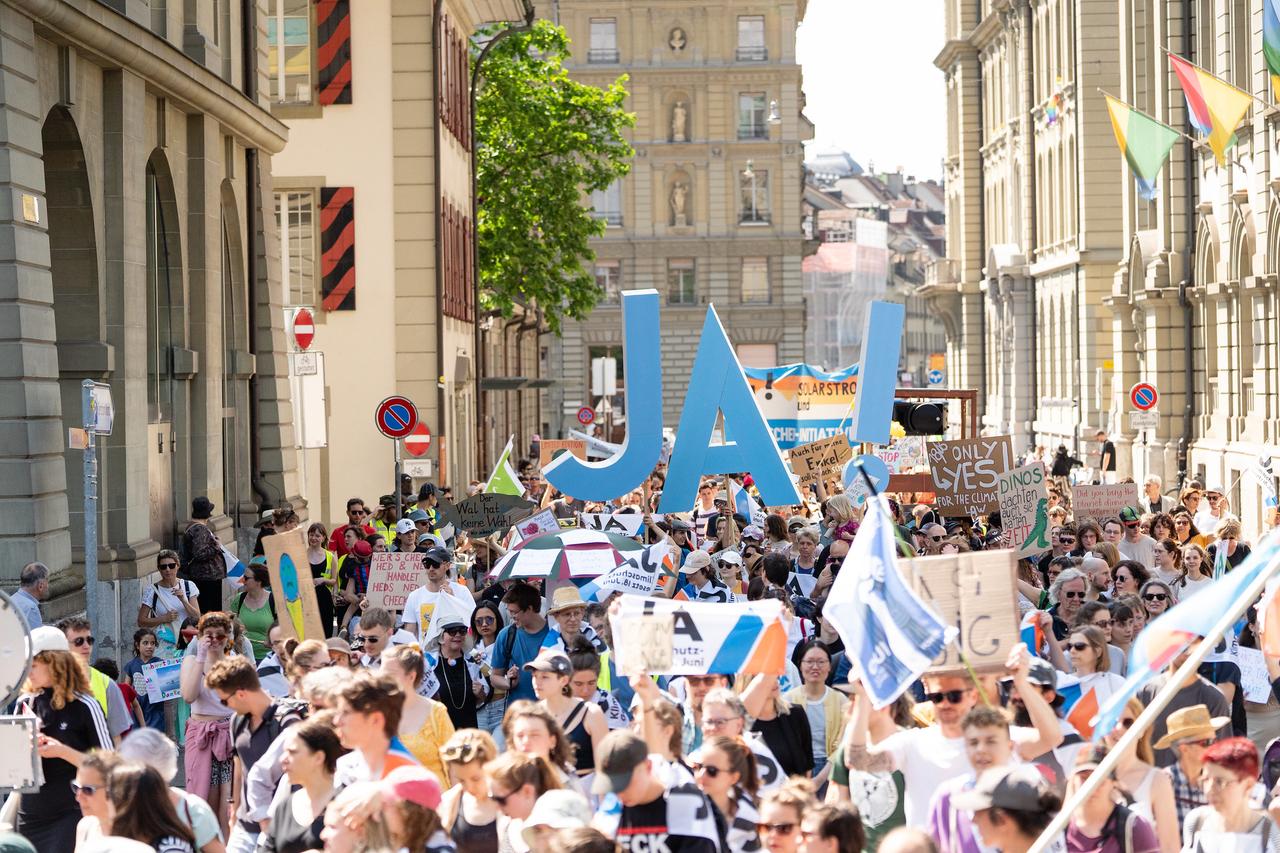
[1188,279]
[476,66]
[1031,229]
[262,489]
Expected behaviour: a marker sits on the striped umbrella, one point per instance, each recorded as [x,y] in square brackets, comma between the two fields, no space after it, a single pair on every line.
[565,554]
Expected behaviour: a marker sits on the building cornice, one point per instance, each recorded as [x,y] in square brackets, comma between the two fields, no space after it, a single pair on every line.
[990,28]
[953,52]
[123,43]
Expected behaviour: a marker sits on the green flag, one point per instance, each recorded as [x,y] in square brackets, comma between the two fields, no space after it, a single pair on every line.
[504,480]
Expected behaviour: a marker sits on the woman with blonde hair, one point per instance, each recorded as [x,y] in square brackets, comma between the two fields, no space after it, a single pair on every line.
[57,694]
[1150,791]
[424,723]
[1108,552]
[516,780]
[468,813]
[843,518]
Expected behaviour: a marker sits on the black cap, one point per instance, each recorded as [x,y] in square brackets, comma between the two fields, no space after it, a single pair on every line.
[438,556]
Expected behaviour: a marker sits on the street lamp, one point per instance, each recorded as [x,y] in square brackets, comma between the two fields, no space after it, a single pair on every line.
[750,174]
[774,117]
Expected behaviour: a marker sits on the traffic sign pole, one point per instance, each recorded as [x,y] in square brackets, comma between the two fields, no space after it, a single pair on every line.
[398,493]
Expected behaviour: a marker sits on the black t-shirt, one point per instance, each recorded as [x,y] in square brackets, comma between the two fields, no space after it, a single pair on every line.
[81,725]
[250,745]
[680,822]
[790,740]
[1108,458]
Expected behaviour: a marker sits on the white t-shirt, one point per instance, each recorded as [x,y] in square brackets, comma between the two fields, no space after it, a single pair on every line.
[1142,551]
[422,601]
[927,759]
[1190,587]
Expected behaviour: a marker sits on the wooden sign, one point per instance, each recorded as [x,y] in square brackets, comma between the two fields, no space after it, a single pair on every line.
[1024,509]
[966,473]
[818,460]
[292,585]
[392,576]
[483,514]
[978,594]
[1099,502]
[550,448]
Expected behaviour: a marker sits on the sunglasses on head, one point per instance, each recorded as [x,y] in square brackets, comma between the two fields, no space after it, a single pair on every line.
[951,697]
[1156,596]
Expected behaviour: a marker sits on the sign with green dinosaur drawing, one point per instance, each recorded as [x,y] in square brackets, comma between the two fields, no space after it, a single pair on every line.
[1024,509]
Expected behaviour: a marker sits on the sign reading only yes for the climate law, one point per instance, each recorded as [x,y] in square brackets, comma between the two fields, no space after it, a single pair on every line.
[966,473]
[1024,509]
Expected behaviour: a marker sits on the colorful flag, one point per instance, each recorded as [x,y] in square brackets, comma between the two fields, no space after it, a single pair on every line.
[1265,478]
[1032,634]
[1220,564]
[1144,142]
[1215,106]
[1271,42]
[889,633]
[1173,631]
[744,503]
[504,480]
[637,575]
[1082,712]
[235,568]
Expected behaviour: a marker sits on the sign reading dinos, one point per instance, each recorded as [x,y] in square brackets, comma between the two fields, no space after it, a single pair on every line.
[1024,509]
[485,513]
[978,594]
[966,473]
[818,460]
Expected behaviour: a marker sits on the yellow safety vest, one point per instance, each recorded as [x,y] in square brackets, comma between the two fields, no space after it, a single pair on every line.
[604,682]
[99,683]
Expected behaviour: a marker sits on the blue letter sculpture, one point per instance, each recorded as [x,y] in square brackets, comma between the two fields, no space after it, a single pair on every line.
[613,477]
[718,385]
[877,373]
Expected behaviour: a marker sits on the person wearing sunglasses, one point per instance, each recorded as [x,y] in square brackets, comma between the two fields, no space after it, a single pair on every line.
[462,688]
[724,768]
[832,828]
[930,756]
[1068,591]
[80,639]
[167,602]
[89,788]
[781,811]
[1191,732]
[1134,544]
[357,518]
[1157,597]
[516,780]
[1214,508]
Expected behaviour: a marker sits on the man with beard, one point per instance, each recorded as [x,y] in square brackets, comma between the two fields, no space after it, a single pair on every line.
[1056,764]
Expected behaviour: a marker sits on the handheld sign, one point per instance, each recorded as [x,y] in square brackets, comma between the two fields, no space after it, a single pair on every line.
[485,513]
[392,576]
[966,473]
[1024,509]
[819,460]
[291,585]
[396,417]
[1102,501]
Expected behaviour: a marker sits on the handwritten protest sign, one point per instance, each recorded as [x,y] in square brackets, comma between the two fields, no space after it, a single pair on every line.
[392,577]
[163,679]
[903,455]
[550,448]
[485,513]
[965,473]
[1254,679]
[818,460]
[977,593]
[712,636]
[650,637]
[1024,509]
[292,586]
[537,524]
[625,523]
[1099,502]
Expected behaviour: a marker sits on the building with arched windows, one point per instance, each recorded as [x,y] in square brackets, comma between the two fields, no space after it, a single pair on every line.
[136,145]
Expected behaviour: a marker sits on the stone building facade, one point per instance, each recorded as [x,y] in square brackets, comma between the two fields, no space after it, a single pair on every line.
[711,212]
[393,296]
[136,144]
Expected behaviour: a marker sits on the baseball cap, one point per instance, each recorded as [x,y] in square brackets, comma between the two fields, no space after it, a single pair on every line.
[404,525]
[1215,489]
[731,557]
[387,500]
[558,809]
[267,517]
[697,561]
[416,785]
[435,540]
[1129,515]
[362,549]
[47,638]
[418,515]
[437,555]
[620,753]
[1089,758]
[550,660]
[752,531]
[1041,673]
[1017,788]
[797,522]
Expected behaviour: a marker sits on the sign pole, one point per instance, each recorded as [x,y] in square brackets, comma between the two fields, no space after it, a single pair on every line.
[395,442]
[90,500]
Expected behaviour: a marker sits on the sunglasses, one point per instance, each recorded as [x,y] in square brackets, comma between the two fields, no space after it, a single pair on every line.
[835,561]
[368,638]
[1066,540]
[1131,524]
[164,566]
[357,512]
[1079,647]
[935,538]
[83,641]
[454,632]
[1067,593]
[1104,624]
[710,769]
[501,799]
[77,789]
[951,697]
[1155,596]
[484,620]
[779,828]
[713,723]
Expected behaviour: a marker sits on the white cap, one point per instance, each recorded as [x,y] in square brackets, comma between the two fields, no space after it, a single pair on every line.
[730,557]
[404,525]
[558,809]
[47,638]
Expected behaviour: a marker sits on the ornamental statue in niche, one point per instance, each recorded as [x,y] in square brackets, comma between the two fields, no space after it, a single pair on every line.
[679,122]
[677,40]
[679,199]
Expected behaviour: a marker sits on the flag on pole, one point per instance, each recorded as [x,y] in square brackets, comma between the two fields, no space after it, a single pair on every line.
[504,480]
[1265,477]
[744,503]
[1144,142]
[1271,42]
[1169,634]
[1032,634]
[1220,564]
[889,633]
[1215,106]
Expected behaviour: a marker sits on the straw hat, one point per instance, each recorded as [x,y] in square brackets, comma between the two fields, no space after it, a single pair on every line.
[565,597]
[1191,723]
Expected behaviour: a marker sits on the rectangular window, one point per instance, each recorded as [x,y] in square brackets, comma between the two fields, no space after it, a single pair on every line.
[758,355]
[606,204]
[755,279]
[752,116]
[753,195]
[295,220]
[751,39]
[604,40]
[289,51]
[609,279]
[682,282]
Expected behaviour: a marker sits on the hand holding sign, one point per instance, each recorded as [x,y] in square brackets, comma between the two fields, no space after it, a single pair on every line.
[653,635]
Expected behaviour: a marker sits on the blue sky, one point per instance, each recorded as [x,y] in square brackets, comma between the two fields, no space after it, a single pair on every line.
[870,82]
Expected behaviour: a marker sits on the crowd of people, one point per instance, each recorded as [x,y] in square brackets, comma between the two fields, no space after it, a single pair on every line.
[503,723]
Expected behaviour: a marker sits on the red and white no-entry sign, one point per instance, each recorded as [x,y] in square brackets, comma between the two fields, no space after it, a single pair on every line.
[304,329]
[418,442]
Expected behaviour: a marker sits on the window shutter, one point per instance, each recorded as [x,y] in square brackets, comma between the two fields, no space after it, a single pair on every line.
[338,248]
[333,51]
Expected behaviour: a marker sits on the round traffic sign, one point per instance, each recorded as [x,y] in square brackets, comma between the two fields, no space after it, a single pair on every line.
[586,415]
[935,377]
[418,442]
[304,329]
[396,417]
[1143,396]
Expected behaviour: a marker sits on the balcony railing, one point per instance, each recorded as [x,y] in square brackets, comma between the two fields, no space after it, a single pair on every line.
[753,131]
[759,217]
[602,56]
[753,54]
[612,219]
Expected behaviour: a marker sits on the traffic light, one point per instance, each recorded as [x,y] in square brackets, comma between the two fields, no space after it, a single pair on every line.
[920,418]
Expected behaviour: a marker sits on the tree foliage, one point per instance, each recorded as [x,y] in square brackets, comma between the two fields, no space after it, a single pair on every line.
[543,143]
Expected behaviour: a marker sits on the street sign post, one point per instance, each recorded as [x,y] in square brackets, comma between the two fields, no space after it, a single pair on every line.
[97,416]
[1144,396]
[418,442]
[936,377]
[396,417]
[304,329]
[586,415]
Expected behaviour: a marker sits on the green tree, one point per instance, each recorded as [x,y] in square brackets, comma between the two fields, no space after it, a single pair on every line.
[543,140]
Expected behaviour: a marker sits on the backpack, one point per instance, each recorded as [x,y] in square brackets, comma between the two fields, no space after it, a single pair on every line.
[271,602]
[1128,818]
[1271,764]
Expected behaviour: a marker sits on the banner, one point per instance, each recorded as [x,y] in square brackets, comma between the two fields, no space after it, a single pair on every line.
[1024,509]
[624,523]
[820,460]
[550,448]
[1099,502]
[965,473]
[292,585]
[802,403]
[392,576]
[639,574]
[977,593]
[716,637]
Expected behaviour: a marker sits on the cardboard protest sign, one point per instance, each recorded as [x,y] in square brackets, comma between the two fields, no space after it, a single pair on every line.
[1099,502]
[1024,509]
[966,472]
[818,460]
[903,455]
[977,593]
[650,638]
[625,523]
[292,585]
[537,524]
[712,636]
[550,448]
[485,513]
[163,679]
[392,577]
